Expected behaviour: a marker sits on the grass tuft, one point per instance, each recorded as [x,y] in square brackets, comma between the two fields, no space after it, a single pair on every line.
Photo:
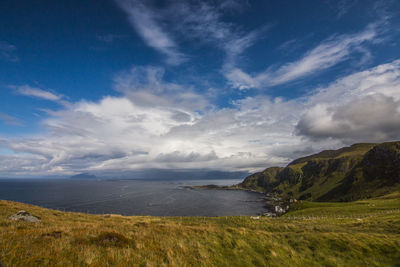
[105,239]
[110,239]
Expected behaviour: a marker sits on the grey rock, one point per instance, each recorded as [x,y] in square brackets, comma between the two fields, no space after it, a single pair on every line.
[23,215]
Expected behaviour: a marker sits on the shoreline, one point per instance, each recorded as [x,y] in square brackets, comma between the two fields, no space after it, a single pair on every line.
[117,214]
[268,205]
[221,187]
[275,206]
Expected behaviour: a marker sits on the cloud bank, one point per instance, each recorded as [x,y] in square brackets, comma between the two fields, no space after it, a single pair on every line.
[156,123]
[147,127]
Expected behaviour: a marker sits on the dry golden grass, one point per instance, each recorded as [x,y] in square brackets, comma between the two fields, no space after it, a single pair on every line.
[369,238]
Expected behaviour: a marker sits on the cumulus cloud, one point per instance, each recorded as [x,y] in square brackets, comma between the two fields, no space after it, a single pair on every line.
[366,107]
[127,133]
[119,134]
[369,118]
[145,86]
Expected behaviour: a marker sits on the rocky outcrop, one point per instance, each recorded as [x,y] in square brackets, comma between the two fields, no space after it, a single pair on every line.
[23,215]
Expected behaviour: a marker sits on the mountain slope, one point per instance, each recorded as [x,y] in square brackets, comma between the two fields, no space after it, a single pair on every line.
[350,173]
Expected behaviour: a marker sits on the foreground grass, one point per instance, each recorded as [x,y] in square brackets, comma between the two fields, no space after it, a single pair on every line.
[364,233]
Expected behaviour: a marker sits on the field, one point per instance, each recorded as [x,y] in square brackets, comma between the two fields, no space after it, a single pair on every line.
[362,233]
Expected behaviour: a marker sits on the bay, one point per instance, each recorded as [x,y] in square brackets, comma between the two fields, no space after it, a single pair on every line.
[133,197]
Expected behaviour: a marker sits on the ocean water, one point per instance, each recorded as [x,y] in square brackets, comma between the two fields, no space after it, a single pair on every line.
[133,197]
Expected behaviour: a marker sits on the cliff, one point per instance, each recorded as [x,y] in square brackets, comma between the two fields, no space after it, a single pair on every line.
[350,173]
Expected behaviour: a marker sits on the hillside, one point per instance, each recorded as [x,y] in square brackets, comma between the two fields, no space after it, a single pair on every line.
[350,173]
[363,233]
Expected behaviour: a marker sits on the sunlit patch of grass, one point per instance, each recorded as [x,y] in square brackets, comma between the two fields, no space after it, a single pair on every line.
[363,233]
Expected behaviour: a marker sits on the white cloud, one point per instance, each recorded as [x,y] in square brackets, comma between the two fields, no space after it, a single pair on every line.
[122,133]
[145,86]
[203,22]
[27,90]
[119,133]
[199,21]
[240,79]
[21,164]
[364,106]
[144,21]
[115,134]
[330,52]
[36,92]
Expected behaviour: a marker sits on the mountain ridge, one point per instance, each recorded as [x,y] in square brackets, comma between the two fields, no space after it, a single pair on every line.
[362,170]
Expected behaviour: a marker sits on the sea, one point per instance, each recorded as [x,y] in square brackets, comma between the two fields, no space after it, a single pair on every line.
[133,197]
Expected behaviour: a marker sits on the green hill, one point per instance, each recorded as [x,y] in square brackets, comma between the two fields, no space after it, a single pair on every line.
[360,171]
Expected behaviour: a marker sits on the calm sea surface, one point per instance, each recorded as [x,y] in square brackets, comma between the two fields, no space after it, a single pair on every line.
[133,197]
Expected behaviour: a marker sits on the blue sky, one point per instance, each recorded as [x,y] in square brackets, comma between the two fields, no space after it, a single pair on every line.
[112,85]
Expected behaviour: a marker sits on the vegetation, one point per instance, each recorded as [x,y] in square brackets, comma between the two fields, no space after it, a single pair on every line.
[357,172]
[362,233]
[359,233]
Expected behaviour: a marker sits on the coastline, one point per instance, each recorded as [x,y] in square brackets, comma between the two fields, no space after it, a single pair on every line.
[274,205]
[222,187]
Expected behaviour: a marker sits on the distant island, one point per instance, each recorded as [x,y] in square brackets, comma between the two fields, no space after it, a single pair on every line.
[84,176]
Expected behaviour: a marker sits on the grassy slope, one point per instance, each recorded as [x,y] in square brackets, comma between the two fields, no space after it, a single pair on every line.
[377,174]
[323,172]
[314,234]
[262,181]
[354,150]
[360,171]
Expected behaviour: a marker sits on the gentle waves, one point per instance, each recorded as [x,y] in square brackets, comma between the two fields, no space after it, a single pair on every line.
[133,197]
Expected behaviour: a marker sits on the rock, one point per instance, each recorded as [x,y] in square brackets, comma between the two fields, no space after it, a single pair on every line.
[279,209]
[269,214]
[23,215]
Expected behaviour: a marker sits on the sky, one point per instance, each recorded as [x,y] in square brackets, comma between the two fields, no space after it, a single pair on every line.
[109,86]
